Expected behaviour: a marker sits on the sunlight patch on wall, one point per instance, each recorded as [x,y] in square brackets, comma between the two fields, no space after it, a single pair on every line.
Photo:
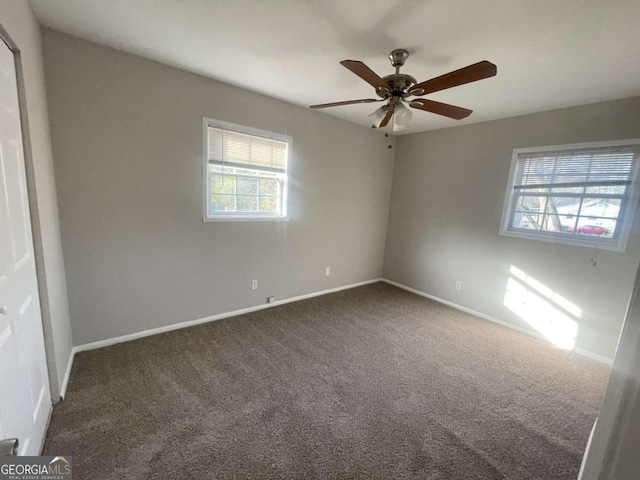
[550,314]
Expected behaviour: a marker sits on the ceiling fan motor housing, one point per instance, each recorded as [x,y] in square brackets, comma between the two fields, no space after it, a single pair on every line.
[400,84]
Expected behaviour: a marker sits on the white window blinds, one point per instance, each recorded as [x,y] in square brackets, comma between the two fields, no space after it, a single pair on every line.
[582,194]
[577,168]
[235,149]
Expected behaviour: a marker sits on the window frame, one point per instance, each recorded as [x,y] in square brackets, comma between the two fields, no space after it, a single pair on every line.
[625,216]
[249,216]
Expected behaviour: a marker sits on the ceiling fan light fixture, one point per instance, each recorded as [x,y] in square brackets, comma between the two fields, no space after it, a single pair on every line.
[377,116]
[401,117]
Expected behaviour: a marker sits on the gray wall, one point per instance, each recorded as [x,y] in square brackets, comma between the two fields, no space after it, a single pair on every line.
[18,20]
[127,142]
[448,192]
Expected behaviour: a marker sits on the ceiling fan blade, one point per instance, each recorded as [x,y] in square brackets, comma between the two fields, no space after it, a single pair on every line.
[387,117]
[472,73]
[348,102]
[365,73]
[444,109]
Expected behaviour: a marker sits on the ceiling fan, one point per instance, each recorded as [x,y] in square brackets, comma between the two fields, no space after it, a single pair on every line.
[396,88]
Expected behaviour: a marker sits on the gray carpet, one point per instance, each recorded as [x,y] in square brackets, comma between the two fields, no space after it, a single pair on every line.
[372,382]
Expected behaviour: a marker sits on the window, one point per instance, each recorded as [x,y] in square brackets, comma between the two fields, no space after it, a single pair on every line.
[582,194]
[246,173]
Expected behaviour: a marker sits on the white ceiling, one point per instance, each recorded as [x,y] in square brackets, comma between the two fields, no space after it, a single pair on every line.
[549,53]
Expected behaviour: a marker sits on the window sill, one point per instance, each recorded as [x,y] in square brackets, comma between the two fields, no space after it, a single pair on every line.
[244,219]
[619,246]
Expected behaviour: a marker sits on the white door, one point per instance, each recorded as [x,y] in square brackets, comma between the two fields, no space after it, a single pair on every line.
[24,384]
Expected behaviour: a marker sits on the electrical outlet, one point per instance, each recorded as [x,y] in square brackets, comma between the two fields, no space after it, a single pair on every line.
[254,284]
[271,299]
[327,271]
[458,285]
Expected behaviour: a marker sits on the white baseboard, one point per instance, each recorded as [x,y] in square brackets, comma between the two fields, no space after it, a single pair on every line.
[580,351]
[65,380]
[154,331]
[593,356]
[176,326]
